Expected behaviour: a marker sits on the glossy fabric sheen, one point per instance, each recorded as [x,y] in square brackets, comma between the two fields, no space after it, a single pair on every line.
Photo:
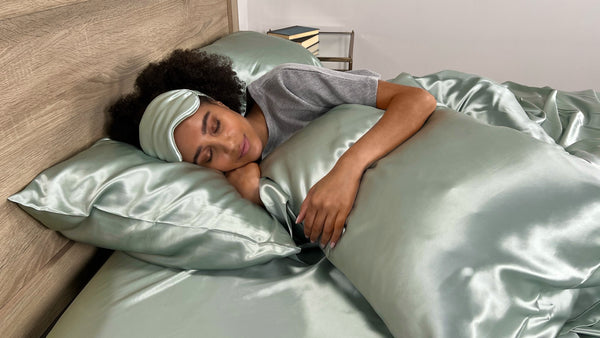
[480,225]
[282,298]
[112,195]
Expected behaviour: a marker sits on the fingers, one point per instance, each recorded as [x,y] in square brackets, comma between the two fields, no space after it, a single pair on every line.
[313,218]
[324,217]
[329,226]
[317,226]
[306,213]
[313,224]
[301,214]
[328,230]
[337,232]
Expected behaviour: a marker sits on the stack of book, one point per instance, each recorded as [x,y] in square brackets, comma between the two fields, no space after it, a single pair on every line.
[307,37]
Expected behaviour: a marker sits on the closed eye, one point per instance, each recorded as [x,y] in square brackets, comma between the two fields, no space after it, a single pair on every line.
[217,126]
[210,155]
[203,155]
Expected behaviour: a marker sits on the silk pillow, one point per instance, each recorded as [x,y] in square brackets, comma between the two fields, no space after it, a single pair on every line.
[465,230]
[175,214]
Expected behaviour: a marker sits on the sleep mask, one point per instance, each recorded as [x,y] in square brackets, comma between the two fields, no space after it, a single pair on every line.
[161,118]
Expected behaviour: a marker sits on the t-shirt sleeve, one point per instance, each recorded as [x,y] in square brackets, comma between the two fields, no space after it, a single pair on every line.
[290,86]
[293,95]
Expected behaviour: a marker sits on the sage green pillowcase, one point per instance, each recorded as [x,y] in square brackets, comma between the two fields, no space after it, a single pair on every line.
[465,230]
[112,195]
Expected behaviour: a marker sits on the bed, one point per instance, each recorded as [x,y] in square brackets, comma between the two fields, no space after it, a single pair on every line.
[499,233]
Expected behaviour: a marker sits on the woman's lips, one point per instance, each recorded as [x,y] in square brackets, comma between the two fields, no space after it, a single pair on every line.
[244,147]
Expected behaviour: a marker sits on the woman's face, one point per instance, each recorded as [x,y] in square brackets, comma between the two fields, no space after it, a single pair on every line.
[217,137]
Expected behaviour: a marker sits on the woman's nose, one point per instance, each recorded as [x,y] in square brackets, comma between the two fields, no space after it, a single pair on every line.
[229,146]
[232,147]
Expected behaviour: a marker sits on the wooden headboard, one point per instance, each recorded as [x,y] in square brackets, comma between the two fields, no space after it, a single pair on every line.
[63,62]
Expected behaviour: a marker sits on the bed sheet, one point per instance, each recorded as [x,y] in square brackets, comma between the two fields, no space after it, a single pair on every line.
[282,298]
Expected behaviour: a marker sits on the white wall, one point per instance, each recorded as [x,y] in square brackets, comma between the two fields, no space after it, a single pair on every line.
[533,42]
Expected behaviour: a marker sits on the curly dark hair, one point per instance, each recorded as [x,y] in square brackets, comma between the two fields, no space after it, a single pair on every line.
[211,74]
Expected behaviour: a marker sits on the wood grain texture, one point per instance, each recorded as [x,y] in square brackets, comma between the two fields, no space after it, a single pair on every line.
[232,13]
[64,62]
[14,8]
[66,272]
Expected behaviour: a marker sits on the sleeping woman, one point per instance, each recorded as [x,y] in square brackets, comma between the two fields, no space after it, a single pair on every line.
[187,108]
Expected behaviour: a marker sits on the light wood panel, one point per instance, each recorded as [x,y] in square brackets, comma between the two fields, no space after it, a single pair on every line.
[63,63]
[14,8]
[233,16]
[66,272]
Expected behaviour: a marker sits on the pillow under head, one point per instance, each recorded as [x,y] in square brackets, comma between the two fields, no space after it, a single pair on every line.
[112,195]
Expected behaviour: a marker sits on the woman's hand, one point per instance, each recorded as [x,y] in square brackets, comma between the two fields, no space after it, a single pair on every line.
[327,205]
[246,181]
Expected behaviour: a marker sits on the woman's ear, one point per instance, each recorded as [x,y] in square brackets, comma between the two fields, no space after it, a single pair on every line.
[221,104]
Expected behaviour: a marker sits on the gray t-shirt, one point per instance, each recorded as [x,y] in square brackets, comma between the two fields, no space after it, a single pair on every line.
[293,95]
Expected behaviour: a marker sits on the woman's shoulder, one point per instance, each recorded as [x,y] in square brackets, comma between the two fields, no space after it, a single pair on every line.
[287,68]
[297,78]
[299,69]
[280,73]
[287,73]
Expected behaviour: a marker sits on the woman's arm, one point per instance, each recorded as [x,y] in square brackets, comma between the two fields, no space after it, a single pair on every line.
[328,203]
[246,181]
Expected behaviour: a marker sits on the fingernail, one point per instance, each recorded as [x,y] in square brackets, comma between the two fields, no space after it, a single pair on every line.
[332,245]
[322,246]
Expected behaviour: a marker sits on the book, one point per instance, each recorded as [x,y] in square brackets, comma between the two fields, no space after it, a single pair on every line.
[314,49]
[307,41]
[294,32]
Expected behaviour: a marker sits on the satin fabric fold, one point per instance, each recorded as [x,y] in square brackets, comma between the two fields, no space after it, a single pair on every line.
[572,119]
[569,119]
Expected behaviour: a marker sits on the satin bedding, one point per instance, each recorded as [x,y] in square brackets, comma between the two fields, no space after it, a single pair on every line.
[287,298]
